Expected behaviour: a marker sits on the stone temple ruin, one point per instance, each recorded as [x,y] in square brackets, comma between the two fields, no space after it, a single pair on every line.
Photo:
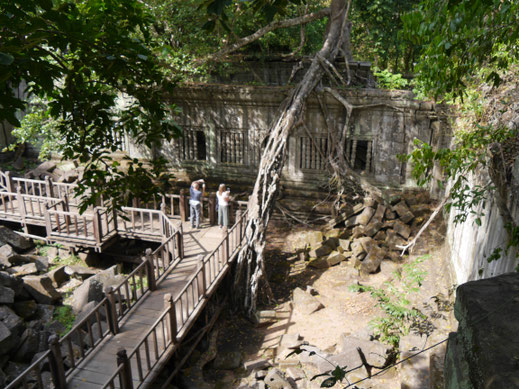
[224,126]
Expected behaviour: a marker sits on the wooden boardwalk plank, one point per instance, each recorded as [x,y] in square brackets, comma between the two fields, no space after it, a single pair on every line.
[137,323]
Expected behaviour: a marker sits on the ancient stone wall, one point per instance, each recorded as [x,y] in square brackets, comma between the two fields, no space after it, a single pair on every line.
[471,245]
[224,126]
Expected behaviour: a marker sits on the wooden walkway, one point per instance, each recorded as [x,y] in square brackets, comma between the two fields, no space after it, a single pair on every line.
[97,368]
[126,339]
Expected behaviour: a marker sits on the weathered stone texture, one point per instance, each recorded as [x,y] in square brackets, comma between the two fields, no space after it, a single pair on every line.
[484,351]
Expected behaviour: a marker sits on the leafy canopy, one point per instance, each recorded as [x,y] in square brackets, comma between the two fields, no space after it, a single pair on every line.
[83,57]
[458,37]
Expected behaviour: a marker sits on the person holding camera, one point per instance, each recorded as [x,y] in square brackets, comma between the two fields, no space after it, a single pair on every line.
[224,196]
[195,202]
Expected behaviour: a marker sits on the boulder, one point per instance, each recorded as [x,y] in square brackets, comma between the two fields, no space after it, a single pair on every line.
[332,259]
[6,251]
[24,270]
[275,379]
[80,272]
[52,253]
[11,282]
[45,312]
[42,263]
[7,340]
[91,291]
[403,211]
[58,276]
[367,243]
[390,215]
[69,176]
[26,309]
[371,263]
[344,244]
[380,236]
[372,228]
[334,233]
[14,369]
[357,232]
[379,213]
[47,166]
[93,288]
[376,353]
[393,239]
[357,248]
[320,251]
[6,295]
[305,302]
[17,242]
[11,320]
[28,346]
[18,260]
[402,229]
[41,289]
[331,242]
[364,217]
[227,361]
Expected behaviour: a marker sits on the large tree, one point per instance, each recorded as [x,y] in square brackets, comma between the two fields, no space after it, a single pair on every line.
[81,57]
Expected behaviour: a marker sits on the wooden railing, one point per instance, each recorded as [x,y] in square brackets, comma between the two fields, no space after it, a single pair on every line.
[179,314]
[90,331]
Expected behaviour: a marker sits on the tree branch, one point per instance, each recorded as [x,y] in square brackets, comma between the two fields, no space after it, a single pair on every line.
[262,31]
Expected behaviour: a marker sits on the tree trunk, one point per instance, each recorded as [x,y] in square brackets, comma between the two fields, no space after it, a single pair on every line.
[250,270]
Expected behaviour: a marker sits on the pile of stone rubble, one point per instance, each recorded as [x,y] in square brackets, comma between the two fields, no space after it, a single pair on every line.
[49,169]
[30,293]
[364,235]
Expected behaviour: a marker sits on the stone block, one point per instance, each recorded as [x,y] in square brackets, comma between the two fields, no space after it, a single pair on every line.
[17,242]
[6,295]
[344,244]
[372,228]
[331,242]
[379,213]
[41,289]
[320,251]
[305,303]
[357,232]
[80,272]
[390,215]
[295,373]
[275,379]
[367,243]
[24,270]
[403,211]
[58,276]
[371,263]
[402,229]
[357,248]
[257,364]
[380,236]
[26,309]
[366,215]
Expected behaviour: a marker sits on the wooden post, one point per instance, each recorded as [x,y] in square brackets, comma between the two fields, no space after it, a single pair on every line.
[98,231]
[48,187]
[168,304]
[231,212]
[212,209]
[163,202]
[180,242]
[150,270]
[125,374]
[116,225]
[184,208]
[163,224]
[9,182]
[56,363]
[202,272]
[112,308]
[21,207]
[226,244]
[48,224]
[240,224]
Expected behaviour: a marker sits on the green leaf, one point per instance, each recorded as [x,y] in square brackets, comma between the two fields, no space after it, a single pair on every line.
[6,59]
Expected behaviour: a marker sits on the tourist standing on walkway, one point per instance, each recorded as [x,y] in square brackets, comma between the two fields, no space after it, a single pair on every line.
[195,203]
[223,197]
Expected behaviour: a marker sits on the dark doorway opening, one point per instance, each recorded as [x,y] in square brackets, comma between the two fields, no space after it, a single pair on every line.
[361,155]
[201,150]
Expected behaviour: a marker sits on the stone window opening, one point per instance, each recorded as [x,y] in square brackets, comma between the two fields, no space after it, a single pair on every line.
[313,153]
[359,154]
[193,146]
[232,147]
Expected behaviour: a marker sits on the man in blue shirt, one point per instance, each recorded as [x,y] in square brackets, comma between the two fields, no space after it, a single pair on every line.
[195,202]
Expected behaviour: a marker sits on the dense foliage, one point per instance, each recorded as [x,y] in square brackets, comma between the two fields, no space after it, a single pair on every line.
[83,58]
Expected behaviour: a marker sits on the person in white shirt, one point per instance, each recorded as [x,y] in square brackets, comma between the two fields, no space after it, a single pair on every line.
[223,196]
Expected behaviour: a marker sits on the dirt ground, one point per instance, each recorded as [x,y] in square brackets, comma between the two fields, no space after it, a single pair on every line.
[346,312]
